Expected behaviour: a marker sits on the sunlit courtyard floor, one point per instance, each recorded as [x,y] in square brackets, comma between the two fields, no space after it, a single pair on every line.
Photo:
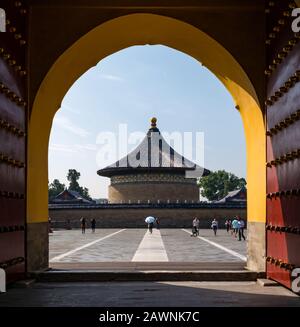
[135,245]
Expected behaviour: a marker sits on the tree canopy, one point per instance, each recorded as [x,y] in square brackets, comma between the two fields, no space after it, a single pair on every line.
[73,176]
[55,188]
[218,184]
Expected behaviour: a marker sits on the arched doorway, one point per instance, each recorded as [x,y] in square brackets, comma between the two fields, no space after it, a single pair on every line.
[141,29]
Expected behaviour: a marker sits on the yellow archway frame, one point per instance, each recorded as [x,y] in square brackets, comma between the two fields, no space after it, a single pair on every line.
[120,33]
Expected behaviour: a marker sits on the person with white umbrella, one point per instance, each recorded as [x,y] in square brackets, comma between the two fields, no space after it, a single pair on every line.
[150,221]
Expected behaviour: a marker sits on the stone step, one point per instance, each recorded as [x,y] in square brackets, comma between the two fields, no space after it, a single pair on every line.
[149,275]
[142,266]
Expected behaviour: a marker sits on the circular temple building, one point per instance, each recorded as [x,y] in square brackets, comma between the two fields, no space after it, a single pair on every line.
[153,173]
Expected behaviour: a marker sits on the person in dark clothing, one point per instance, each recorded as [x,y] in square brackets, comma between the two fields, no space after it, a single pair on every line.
[68,224]
[196,224]
[93,225]
[214,226]
[50,230]
[150,227]
[157,223]
[83,224]
[241,226]
[228,225]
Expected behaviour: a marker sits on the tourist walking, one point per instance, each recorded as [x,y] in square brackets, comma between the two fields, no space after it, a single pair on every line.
[150,227]
[214,226]
[82,224]
[241,226]
[157,223]
[235,227]
[93,225]
[196,224]
[50,230]
[228,225]
[150,220]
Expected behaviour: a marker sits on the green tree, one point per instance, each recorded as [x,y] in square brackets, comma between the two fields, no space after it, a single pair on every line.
[55,188]
[218,184]
[73,177]
[85,193]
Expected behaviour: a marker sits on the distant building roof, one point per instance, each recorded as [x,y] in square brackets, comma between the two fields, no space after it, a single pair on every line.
[70,197]
[239,195]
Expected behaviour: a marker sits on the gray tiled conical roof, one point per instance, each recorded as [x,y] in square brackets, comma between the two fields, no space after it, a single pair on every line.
[153,154]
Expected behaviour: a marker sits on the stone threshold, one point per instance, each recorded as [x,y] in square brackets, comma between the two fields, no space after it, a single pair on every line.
[127,275]
[146,265]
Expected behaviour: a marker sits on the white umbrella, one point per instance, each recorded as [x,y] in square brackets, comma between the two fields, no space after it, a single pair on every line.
[150,220]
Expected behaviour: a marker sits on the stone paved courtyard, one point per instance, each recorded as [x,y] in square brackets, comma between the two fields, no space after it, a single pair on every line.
[127,246]
[121,245]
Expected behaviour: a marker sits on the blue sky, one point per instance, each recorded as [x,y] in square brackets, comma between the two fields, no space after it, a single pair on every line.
[130,87]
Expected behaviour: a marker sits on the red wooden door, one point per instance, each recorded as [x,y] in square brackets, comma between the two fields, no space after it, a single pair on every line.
[283,143]
[13,140]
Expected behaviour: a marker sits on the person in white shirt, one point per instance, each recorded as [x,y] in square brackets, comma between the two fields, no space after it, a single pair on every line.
[196,224]
[214,226]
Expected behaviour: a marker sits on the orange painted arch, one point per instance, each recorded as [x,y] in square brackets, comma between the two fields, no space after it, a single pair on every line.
[121,33]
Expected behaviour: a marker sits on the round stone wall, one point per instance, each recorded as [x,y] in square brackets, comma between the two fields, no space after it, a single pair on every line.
[153,192]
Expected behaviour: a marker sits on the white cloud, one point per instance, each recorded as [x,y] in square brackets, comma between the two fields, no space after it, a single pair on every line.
[72,148]
[112,77]
[89,147]
[69,108]
[67,125]
[62,148]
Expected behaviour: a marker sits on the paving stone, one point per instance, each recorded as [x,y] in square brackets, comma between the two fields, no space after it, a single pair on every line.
[179,246]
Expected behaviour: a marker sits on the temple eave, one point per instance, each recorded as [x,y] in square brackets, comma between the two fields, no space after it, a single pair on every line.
[109,172]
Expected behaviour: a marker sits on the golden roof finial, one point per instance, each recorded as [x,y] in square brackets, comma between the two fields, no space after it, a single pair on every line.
[153,122]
